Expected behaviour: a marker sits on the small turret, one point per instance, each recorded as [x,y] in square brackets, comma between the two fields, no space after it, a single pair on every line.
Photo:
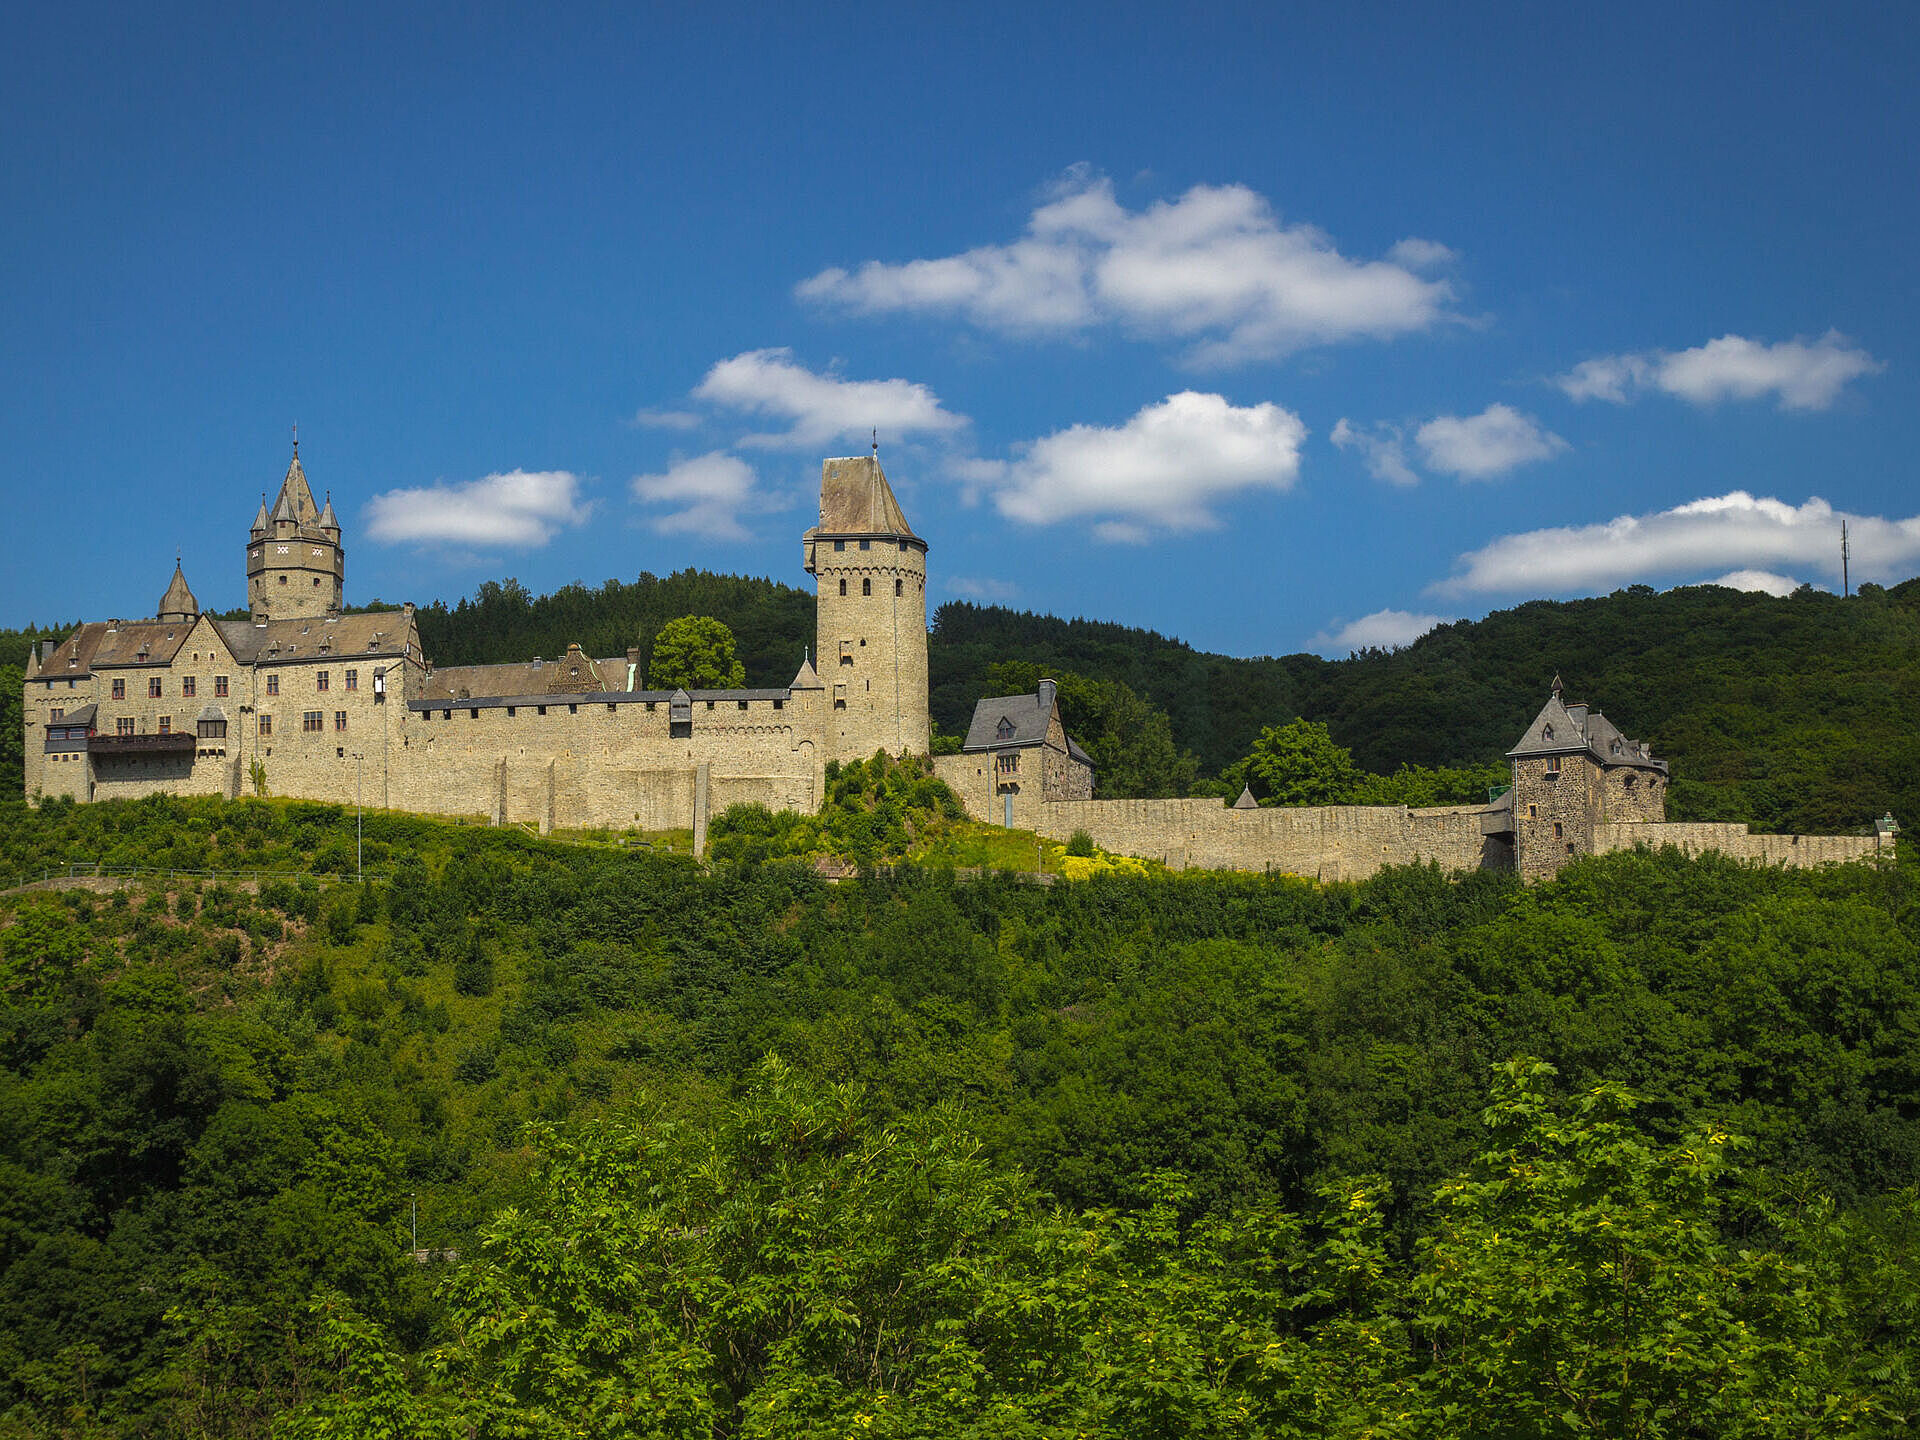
[178,604]
[260,521]
[296,566]
[327,519]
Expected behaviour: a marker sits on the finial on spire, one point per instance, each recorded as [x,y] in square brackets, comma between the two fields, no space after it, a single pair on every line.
[296,439]
[876,442]
[1557,687]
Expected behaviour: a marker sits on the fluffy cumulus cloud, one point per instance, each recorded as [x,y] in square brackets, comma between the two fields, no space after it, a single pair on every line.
[1163,470]
[1383,629]
[1737,535]
[1763,580]
[704,496]
[520,509]
[1215,269]
[1382,446]
[1797,374]
[821,409]
[1483,446]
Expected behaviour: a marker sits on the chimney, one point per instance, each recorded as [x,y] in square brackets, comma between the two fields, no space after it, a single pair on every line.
[1047,692]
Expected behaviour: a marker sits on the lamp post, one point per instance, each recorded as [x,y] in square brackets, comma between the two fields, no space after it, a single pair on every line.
[358,877]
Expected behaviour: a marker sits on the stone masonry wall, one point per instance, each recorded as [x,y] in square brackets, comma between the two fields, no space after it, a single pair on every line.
[1793,851]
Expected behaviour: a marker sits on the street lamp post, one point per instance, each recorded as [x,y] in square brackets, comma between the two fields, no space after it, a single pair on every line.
[358,877]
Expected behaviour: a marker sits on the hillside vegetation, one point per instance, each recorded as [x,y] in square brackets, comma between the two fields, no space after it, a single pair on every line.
[922,1153]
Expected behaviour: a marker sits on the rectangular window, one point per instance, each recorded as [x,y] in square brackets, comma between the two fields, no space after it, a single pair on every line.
[123,726]
[313,720]
[1553,765]
[839,544]
[219,687]
[353,679]
[866,586]
[866,544]
[512,710]
[153,687]
[213,729]
[1009,764]
[266,724]
[120,689]
[1533,812]
[779,704]
[898,589]
[1557,834]
[58,715]
[187,686]
[273,684]
[339,719]
[321,680]
[742,704]
[540,709]
[166,724]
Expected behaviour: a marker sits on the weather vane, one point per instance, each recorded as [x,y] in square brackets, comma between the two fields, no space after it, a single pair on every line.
[876,442]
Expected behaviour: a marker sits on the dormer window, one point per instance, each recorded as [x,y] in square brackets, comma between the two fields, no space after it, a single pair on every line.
[1005,729]
[1546,732]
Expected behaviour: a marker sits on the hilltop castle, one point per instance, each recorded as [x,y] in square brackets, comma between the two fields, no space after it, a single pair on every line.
[301,699]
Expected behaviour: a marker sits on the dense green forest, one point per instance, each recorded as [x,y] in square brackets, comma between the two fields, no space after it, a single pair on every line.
[1791,714]
[744,1152]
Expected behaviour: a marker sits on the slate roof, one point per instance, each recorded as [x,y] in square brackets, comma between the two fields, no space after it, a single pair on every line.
[179,599]
[80,646]
[1560,729]
[535,685]
[1028,719]
[84,716]
[343,637]
[855,499]
[141,642]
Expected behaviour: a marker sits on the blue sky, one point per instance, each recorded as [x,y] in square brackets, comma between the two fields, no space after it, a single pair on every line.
[1272,328]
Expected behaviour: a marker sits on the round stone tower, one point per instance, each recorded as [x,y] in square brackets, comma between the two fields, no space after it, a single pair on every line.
[296,566]
[871,570]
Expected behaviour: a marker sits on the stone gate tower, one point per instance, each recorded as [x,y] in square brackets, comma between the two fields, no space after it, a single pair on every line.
[296,566]
[871,571]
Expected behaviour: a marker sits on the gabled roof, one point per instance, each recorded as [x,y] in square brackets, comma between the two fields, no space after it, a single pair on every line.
[143,642]
[72,658]
[1003,721]
[178,603]
[855,499]
[344,637]
[807,678]
[1560,729]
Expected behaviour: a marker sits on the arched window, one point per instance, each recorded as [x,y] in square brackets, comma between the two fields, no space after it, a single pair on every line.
[1546,732]
[866,587]
[843,587]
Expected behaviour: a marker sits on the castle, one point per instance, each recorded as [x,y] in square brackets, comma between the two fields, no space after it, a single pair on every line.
[302,699]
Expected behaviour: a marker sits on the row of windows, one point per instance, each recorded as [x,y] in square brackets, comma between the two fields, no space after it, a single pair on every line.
[866,588]
[473,711]
[865,544]
[189,685]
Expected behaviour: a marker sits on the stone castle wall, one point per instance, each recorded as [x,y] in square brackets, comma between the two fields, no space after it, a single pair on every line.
[1332,842]
[1793,851]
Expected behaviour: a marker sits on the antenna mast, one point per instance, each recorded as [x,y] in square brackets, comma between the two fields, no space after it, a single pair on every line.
[1846,580]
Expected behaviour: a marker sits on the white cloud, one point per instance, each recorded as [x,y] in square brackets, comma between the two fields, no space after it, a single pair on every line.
[1384,629]
[1735,532]
[1162,470]
[983,588]
[1479,447]
[1766,580]
[1798,374]
[711,491]
[1214,268]
[520,508]
[821,408]
[1382,447]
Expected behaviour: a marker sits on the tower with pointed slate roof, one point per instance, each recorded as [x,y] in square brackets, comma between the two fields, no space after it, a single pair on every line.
[296,566]
[871,573]
[1572,771]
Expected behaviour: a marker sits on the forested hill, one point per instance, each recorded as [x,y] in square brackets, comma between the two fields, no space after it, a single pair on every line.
[1789,713]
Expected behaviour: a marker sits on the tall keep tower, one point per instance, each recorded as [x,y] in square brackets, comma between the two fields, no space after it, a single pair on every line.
[296,566]
[872,575]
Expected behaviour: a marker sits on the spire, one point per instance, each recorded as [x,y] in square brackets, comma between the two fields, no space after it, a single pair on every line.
[327,520]
[178,603]
[1558,686]
[808,678]
[260,521]
[296,496]
[1246,800]
[855,499]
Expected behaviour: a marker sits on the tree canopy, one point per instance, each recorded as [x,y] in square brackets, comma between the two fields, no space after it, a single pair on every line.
[697,652]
